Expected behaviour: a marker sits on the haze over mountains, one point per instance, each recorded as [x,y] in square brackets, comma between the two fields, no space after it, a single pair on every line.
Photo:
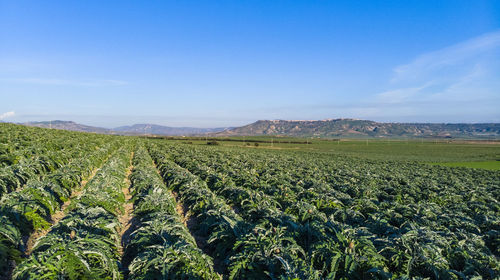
[69,125]
[136,129]
[330,128]
[165,130]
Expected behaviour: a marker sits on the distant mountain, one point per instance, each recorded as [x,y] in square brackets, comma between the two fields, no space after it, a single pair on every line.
[166,130]
[69,125]
[331,128]
[136,129]
[364,128]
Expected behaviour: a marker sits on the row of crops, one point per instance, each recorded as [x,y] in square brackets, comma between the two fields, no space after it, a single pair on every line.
[308,216]
[84,244]
[202,212]
[30,153]
[160,245]
[32,206]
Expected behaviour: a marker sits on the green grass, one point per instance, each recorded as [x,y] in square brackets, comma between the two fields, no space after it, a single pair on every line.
[398,150]
[489,165]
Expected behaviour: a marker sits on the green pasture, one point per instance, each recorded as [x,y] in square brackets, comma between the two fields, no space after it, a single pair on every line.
[474,154]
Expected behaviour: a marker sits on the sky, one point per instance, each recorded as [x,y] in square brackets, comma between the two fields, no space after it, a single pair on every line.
[228,63]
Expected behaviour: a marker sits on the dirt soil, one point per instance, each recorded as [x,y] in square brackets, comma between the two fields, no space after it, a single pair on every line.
[126,218]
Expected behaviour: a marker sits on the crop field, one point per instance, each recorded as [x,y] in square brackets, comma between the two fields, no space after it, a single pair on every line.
[88,206]
[428,151]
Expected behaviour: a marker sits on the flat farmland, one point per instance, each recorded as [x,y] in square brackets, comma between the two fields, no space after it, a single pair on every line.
[89,206]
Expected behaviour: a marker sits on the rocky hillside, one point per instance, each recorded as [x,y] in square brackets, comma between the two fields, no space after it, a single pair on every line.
[364,128]
[331,128]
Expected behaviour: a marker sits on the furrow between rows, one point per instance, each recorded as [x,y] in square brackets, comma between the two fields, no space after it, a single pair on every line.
[85,243]
[160,246]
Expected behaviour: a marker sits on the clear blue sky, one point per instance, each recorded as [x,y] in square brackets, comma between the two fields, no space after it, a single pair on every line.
[224,63]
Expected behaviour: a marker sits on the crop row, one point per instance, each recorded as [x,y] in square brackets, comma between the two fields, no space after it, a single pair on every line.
[45,153]
[31,209]
[22,141]
[301,232]
[84,244]
[160,247]
[382,216]
[247,250]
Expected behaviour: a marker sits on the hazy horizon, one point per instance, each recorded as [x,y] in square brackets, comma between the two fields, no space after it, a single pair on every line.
[227,63]
[211,127]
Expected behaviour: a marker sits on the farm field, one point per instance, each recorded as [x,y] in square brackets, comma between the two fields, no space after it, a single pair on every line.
[489,165]
[390,149]
[88,206]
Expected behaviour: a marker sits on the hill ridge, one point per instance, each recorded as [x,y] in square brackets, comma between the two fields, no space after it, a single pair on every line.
[135,129]
[347,127]
[326,128]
